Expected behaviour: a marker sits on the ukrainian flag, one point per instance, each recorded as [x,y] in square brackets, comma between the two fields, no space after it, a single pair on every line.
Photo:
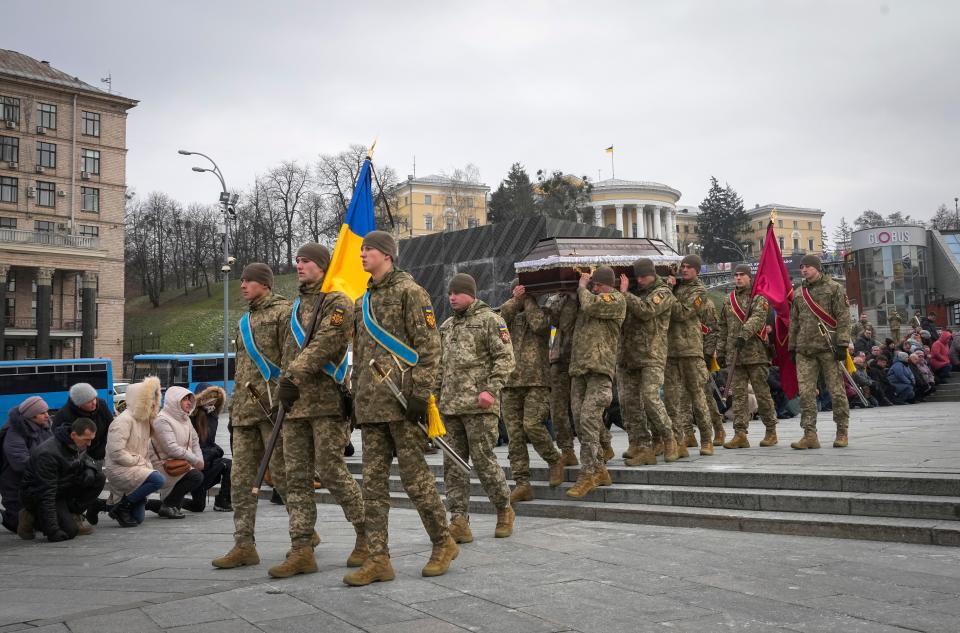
[345,272]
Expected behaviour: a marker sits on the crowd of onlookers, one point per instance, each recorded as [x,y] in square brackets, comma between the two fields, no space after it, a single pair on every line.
[161,448]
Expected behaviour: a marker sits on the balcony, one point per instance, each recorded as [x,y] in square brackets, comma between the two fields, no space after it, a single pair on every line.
[27,327]
[41,238]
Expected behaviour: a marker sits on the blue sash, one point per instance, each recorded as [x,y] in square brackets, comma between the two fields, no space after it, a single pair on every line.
[337,372]
[267,368]
[385,339]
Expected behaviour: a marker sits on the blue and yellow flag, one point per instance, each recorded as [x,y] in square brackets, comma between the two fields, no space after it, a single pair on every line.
[345,272]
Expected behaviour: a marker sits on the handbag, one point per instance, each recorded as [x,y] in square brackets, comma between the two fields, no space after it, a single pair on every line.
[173,466]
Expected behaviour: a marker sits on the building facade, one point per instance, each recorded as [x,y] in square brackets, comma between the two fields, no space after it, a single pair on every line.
[62,195]
[799,229]
[434,204]
[636,208]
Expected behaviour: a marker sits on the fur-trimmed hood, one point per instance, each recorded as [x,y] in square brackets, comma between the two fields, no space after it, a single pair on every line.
[211,395]
[143,400]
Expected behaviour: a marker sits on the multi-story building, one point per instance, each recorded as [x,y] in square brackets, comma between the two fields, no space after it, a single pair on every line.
[437,203]
[636,208]
[62,194]
[688,234]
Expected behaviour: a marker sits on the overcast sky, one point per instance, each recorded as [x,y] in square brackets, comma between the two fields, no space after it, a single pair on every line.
[838,105]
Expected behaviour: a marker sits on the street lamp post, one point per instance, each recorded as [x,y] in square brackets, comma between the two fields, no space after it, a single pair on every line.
[956,214]
[739,250]
[227,200]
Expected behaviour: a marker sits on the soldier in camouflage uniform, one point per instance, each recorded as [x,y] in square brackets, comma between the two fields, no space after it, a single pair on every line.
[593,365]
[741,326]
[816,354]
[316,428]
[686,373]
[477,360]
[269,324]
[709,329]
[526,396]
[643,354]
[894,321]
[863,324]
[562,310]
[403,310]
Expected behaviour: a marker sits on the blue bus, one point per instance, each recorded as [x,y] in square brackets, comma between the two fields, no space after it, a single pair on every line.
[183,370]
[51,380]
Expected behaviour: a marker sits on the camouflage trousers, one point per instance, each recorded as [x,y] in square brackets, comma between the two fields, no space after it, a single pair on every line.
[590,395]
[473,437]
[644,415]
[684,385]
[380,440]
[895,334]
[248,447]
[756,375]
[686,411]
[560,405]
[809,368]
[315,446]
[524,411]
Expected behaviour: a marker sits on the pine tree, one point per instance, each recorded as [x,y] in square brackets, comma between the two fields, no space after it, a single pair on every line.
[721,223]
[513,199]
[945,219]
[842,236]
[561,196]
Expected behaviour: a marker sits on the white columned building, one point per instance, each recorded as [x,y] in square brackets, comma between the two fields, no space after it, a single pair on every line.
[637,208]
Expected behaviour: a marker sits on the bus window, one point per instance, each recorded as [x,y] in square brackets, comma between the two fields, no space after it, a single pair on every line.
[162,369]
[51,380]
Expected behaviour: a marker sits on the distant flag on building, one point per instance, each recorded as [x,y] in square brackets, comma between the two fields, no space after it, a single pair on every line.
[773,282]
[609,150]
[345,272]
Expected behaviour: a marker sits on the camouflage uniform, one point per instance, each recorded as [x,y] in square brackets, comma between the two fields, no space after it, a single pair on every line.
[526,396]
[814,354]
[477,357]
[403,309]
[562,309]
[315,430]
[753,362]
[894,321]
[686,373]
[708,322]
[270,326]
[593,365]
[643,354]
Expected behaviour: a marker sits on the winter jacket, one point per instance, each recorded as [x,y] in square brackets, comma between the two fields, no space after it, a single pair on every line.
[20,436]
[930,326]
[899,375]
[940,351]
[215,398]
[863,344]
[127,462]
[173,436]
[955,351]
[102,417]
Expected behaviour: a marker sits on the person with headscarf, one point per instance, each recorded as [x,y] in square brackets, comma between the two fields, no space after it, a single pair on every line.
[174,439]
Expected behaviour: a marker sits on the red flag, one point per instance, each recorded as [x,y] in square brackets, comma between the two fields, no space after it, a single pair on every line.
[773,282]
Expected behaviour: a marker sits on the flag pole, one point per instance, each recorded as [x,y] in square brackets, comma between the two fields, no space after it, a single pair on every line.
[613,173]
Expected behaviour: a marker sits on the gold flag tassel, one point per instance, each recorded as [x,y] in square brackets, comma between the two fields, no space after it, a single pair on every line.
[435,426]
[714,365]
[851,368]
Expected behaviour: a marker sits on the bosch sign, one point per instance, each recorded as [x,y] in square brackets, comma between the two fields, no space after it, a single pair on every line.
[890,236]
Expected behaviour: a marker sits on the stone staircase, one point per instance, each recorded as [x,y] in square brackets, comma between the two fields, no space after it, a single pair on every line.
[893,506]
[947,392]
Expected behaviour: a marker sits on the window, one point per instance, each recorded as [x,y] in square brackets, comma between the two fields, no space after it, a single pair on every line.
[46,194]
[8,223]
[90,199]
[472,223]
[89,230]
[760,244]
[43,226]
[10,149]
[48,115]
[449,225]
[8,189]
[428,222]
[91,123]
[780,239]
[796,245]
[449,201]
[686,228]
[406,200]
[760,225]
[809,226]
[91,161]
[47,154]
[469,203]
[780,225]
[794,224]
[427,199]
[810,244]
[11,109]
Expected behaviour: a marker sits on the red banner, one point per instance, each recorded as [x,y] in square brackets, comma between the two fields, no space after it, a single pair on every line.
[773,282]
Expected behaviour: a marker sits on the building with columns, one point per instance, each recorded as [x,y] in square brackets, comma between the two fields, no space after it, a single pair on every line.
[636,208]
[62,195]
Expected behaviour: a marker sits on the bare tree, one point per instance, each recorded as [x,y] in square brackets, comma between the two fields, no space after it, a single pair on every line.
[286,185]
[463,203]
[336,176]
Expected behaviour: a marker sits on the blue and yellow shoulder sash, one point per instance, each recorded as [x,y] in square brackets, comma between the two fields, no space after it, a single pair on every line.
[268,369]
[337,372]
[385,339]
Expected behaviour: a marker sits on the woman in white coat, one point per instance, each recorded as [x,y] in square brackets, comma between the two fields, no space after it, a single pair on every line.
[175,441]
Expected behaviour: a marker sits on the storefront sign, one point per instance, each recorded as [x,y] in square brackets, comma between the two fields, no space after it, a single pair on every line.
[889,236]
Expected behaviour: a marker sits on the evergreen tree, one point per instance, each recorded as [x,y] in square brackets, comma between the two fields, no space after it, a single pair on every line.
[945,219]
[561,196]
[869,219]
[842,236]
[721,224]
[513,199]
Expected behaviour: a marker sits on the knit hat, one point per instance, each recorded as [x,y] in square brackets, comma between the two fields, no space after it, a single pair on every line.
[32,406]
[259,273]
[382,241]
[81,393]
[743,268]
[902,356]
[462,283]
[811,260]
[693,261]
[317,253]
[604,275]
[643,267]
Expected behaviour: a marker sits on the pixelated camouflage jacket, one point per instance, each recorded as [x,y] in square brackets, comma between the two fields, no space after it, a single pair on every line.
[755,309]
[562,309]
[710,328]
[270,326]
[477,357]
[319,393]
[805,336]
[530,332]
[596,336]
[643,337]
[684,336]
[403,308]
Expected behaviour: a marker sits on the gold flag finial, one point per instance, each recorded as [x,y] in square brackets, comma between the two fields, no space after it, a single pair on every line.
[370,151]
[773,215]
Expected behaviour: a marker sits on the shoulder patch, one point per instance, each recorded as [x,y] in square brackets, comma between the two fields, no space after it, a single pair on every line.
[764,304]
[336,319]
[697,301]
[657,299]
[606,297]
[430,317]
[504,334]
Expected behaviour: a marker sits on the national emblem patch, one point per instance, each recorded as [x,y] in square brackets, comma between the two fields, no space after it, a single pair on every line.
[504,334]
[430,318]
[697,302]
[336,319]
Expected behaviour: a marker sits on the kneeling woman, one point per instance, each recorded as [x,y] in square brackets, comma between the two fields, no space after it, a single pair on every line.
[176,452]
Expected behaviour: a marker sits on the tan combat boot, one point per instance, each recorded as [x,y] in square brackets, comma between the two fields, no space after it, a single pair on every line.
[809,440]
[719,434]
[505,519]
[643,457]
[569,458]
[670,450]
[460,529]
[690,440]
[631,450]
[606,451]
[658,447]
[360,550]
[83,528]
[706,447]
[770,437]
[556,473]
[682,448]
[739,440]
[300,561]
[25,525]
[241,555]
[440,558]
[374,569]
[841,441]
[521,492]
[585,483]
[602,476]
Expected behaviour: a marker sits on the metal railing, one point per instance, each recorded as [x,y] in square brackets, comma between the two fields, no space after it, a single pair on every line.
[30,323]
[48,239]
